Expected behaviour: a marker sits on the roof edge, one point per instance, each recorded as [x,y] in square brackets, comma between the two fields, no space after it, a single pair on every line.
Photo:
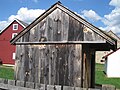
[10,24]
[109,39]
[110,53]
[25,30]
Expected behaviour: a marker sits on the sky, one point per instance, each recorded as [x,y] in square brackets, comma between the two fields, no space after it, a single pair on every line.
[104,14]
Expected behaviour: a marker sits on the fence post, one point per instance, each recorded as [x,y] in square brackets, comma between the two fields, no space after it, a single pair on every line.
[108,87]
[30,85]
[53,87]
[39,86]
[68,88]
[2,80]
[11,82]
[20,83]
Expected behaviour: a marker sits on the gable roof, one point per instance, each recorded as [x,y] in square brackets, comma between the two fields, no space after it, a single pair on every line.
[58,5]
[111,33]
[23,24]
[110,53]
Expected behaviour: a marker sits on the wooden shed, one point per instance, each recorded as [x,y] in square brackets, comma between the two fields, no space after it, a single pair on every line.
[58,48]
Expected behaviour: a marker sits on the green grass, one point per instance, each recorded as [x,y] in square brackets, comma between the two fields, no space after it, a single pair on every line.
[6,72]
[102,79]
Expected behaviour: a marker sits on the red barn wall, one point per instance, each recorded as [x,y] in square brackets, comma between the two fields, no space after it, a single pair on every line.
[6,49]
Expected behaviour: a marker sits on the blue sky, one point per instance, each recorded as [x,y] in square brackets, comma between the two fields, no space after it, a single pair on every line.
[104,14]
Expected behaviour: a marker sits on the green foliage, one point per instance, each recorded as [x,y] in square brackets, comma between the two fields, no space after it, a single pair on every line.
[6,72]
[102,79]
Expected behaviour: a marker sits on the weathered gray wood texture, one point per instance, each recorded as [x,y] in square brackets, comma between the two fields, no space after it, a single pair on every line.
[50,64]
[57,64]
[59,26]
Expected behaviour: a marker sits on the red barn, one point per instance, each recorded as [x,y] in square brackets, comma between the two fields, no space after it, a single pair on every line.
[7,51]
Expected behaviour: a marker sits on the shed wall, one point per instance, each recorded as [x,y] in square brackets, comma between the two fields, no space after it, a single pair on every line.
[51,64]
[60,64]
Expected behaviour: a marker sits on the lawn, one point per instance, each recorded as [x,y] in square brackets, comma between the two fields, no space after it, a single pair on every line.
[6,72]
[102,79]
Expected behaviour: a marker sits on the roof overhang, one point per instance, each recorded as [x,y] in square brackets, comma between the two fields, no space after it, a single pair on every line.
[96,45]
[60,42]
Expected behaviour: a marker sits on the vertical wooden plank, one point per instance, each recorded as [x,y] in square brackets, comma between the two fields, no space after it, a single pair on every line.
[36,55]
[71,30]
[50,64]
[43,53]
[75,30]
[20,74]
[54,55]
[77,65]
[57,65]
[46,65]
[85,67]
[30,63]
[66,55]
[65,26]
[39,66]
[71,65]
[59,24]
[26,63]
[49,28]
[31,37]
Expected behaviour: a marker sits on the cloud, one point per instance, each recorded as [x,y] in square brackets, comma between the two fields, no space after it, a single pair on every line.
[27,15]
[112,20]
[24,14]
[3,24]
[115,3]
[90,14]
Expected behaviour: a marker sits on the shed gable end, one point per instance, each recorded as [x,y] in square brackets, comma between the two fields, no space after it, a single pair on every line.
[59,26]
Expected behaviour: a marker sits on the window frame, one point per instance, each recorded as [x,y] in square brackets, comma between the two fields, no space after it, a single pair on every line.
[13,35]
[14,26]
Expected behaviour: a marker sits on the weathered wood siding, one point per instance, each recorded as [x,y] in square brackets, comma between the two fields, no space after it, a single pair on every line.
[65,64]
[51,64]
[59,26]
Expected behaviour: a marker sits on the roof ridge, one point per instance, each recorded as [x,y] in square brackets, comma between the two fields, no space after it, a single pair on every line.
[24,24]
